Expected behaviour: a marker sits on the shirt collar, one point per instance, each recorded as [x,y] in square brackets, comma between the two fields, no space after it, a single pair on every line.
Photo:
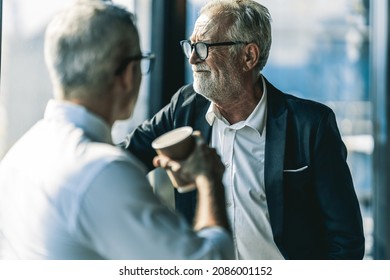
[94,126]
[256,120]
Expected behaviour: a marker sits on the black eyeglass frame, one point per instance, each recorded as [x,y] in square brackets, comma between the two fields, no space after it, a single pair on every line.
[150,56]
[193,46]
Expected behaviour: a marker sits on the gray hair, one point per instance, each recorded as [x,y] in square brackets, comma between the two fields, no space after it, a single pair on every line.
[251,22]
[85,44]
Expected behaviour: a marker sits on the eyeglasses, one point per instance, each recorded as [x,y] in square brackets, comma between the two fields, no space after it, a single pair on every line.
[202,48]
[147,62]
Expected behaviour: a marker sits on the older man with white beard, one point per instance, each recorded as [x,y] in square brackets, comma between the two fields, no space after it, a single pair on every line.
[288,189]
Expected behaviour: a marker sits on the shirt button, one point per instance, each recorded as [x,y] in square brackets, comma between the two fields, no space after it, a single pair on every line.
[227,164]
[228,204]
[262,197]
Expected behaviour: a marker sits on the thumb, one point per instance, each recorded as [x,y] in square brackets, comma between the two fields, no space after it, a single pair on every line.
[199,140]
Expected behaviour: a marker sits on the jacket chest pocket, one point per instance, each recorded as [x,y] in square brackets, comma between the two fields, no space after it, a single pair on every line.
[297,183]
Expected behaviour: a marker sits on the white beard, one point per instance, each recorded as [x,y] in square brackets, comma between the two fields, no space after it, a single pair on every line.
[215,90]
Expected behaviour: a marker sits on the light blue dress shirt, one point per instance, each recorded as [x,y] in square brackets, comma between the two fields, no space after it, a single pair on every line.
[67,193]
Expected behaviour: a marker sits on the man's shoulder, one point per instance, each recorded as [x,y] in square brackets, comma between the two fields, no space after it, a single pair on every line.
[186,97]
[187,90]
[106,154]
[304,103]
[280,101]
[306,111]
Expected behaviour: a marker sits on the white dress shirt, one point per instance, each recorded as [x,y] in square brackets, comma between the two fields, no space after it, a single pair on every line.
[242,148]
[67,193]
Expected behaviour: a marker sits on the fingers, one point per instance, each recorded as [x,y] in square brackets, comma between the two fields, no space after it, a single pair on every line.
[204,160]
[198,138]
[196,133]
[166,163]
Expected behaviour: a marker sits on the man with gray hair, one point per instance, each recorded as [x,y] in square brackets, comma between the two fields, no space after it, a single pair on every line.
[66,192]
[289,191]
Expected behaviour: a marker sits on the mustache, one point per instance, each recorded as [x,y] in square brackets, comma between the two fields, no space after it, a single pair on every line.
[200,68]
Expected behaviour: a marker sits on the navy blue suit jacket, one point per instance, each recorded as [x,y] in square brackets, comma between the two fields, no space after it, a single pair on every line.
[314,212]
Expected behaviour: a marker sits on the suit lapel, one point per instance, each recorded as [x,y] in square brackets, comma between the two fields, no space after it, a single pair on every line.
[274,157]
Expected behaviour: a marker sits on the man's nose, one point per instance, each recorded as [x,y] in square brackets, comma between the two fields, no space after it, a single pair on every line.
[194,58]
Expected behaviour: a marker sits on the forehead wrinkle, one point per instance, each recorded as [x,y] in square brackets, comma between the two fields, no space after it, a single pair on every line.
[203,27]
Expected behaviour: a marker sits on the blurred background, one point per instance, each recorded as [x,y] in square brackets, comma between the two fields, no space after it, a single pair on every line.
[334,52]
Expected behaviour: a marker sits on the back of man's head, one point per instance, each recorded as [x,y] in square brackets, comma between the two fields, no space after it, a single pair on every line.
[85,44]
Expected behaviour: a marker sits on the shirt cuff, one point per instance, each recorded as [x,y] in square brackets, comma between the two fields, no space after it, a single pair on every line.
[220,239]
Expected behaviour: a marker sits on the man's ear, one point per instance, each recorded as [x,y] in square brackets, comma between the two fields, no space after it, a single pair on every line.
[126,78]
[252,56]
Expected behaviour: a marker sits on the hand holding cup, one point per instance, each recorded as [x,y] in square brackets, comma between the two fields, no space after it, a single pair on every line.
[185,156]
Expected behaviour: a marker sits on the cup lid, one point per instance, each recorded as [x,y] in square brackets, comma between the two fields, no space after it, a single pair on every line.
[172,137]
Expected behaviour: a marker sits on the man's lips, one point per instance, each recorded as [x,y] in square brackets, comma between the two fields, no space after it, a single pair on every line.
[200,70]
